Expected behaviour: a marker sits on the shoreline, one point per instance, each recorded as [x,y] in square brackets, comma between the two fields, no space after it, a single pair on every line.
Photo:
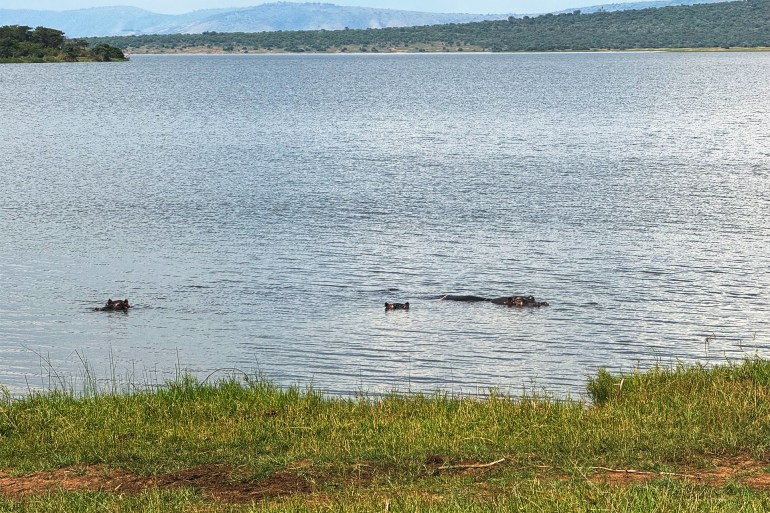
[219,51]
[56,61]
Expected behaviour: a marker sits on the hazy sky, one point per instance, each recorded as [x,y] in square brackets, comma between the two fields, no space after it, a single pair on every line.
[180,6]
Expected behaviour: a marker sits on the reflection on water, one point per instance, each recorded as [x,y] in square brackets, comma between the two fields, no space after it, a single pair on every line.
[259,211]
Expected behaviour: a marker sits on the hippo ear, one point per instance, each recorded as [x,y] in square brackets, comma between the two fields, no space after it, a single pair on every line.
[406,305]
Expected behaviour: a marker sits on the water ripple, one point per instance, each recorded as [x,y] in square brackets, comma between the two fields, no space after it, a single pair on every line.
[259,210]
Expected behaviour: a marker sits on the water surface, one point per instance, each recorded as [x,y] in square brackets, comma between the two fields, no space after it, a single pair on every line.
[259,210]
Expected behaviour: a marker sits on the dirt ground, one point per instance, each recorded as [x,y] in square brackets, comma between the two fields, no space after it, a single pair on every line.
[214,481]
[744,470]
[222,483]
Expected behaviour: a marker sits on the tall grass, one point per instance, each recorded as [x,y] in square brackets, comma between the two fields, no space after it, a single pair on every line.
[656,418]
[663,419]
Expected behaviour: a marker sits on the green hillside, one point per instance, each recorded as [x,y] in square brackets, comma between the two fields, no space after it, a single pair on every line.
[743,24]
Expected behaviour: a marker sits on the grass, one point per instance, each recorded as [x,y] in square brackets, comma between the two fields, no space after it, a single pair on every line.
[664,496]
[416,451]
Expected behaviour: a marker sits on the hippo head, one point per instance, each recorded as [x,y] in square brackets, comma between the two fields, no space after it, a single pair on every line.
[397,306]
[121,304]
[111,305]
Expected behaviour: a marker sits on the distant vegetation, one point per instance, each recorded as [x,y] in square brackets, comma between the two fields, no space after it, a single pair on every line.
[19,43]
[729,24]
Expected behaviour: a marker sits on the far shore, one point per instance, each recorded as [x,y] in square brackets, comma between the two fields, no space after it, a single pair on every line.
[202,50]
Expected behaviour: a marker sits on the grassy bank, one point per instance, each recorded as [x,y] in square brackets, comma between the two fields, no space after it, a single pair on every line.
[679,439]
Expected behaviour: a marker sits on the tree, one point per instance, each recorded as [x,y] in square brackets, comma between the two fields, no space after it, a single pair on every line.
[15,32]
[8,47]
[49,38]
[20,43]
[104,52]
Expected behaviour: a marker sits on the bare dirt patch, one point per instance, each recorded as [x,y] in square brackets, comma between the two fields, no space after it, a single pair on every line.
[215,481]
[743,470]
[223,483]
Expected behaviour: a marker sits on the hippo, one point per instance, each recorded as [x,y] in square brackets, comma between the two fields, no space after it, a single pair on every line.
[518,301]
[450,297]
[397,306]
[525,301]
[111,306]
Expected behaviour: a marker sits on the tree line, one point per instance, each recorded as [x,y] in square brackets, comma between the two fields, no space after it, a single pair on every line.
[19,43]
[743,23]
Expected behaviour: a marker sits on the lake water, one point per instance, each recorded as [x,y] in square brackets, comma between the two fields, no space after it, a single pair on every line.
[258,211]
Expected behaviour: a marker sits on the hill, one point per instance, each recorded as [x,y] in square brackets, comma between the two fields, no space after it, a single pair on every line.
[318,16]
[635,6]
[120,21]
[108,21]
[727,24]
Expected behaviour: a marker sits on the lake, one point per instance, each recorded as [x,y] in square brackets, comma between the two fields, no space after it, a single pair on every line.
[259,210]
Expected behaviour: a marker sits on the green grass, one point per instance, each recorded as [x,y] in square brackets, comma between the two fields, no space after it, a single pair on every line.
[661,420]
[553,497]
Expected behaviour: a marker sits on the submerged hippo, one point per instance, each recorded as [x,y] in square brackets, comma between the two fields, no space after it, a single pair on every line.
[119,305]
[519,301]
[397,306]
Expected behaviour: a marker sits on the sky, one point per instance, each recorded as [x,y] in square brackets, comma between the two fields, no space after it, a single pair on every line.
[180,6]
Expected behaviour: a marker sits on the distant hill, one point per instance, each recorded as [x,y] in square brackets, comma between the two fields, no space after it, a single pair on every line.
[317,16]
[114,21]
[102,20]
[743,24]
[118,21]
[652,4]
